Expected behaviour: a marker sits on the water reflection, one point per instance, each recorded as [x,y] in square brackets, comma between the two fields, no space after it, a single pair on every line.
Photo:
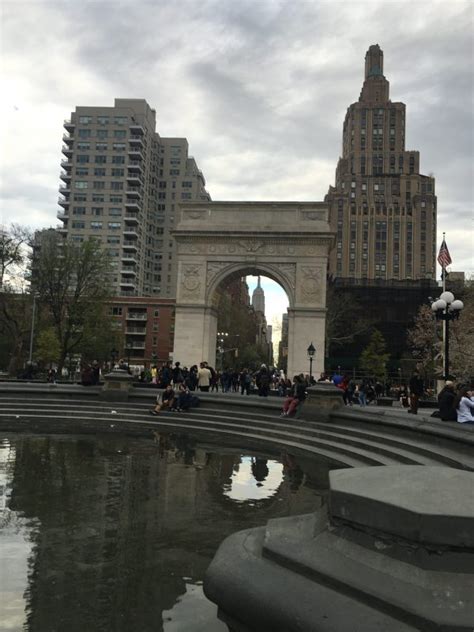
[115,533]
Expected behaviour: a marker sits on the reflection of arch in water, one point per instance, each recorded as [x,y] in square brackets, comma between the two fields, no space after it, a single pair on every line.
[219,241]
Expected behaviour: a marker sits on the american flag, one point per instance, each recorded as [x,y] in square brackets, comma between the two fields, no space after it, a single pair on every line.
[444,258]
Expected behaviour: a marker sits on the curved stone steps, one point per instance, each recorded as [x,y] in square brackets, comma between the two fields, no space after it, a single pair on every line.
[191,422]
[324,439]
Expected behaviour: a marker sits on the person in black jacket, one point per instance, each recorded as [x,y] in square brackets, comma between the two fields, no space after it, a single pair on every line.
[417,388]
[295,397]
[446,402]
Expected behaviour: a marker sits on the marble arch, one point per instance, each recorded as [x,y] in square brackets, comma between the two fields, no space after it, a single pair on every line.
[217,241]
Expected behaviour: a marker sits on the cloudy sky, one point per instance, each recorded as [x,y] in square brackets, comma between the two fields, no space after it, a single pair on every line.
[259,88]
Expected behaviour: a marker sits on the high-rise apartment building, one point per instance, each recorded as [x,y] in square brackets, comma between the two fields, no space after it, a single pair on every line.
[122,184]
[382,209]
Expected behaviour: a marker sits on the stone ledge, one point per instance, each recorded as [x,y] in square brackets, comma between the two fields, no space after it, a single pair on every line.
[428,505]
[335,572]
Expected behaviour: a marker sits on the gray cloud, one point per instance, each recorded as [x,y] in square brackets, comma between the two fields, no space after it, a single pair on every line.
[260,89]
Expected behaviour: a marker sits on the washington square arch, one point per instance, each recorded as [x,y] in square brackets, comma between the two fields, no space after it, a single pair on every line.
[217,242]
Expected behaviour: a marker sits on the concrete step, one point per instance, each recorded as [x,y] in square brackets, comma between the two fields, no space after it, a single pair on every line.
[321,437]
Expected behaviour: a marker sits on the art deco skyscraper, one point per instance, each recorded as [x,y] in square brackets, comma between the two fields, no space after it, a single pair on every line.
[122,184]
[382,209]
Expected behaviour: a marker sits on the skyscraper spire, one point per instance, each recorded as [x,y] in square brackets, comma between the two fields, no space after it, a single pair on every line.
[258,298]
[374,61]
[376,88]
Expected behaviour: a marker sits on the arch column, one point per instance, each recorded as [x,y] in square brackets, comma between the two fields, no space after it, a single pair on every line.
[305,325]
[196,342]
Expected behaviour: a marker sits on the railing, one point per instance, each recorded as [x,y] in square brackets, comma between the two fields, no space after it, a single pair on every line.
[136,330]
[132,316]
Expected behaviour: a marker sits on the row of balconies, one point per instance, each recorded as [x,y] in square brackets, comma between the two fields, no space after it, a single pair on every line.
[135,128]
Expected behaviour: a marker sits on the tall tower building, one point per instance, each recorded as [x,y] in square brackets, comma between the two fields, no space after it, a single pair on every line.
[122,184]
[258,298]
[382,209]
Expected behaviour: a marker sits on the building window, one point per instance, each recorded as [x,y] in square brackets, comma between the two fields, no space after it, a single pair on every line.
[101,146]
[114,225]
[113,240]
[96,225]
[120,120]
[97,210]
[99,171]
[102,120]
[97,184]
[82,171]
[81,184]
[120,133]
[83,146]
[118,160]
[79,210]
[117,173]
[85,120]
[82,158]
[115,211]
[116,186]
[98,197]
[78,224]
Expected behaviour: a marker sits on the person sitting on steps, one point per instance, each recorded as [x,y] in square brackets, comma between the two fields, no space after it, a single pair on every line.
[167,400]
[296,396]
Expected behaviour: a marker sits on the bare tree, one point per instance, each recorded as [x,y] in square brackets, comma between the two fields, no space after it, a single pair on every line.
[424,340]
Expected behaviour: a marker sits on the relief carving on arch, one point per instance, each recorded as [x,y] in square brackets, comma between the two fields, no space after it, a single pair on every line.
[213,269]
[191,280]
[310,285]
[288,270]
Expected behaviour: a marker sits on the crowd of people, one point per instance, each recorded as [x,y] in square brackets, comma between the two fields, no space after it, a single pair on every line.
[456,402]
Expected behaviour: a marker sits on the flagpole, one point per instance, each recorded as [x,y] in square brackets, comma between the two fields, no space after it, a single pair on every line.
[443,270]
[445,322]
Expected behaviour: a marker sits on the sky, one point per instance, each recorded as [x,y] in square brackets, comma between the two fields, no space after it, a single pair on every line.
[259,89]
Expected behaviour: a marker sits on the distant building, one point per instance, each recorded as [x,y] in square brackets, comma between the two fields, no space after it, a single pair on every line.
[121,184]
[283,344]
[147,327]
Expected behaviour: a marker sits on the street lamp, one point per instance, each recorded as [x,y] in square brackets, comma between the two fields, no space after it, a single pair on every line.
[311,352]
[447,308]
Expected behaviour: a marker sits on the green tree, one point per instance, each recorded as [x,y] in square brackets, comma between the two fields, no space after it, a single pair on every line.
[48,348]
[374,358]
[73,281]
[15,302]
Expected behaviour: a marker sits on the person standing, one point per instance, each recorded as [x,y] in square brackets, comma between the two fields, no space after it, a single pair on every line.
[204,378]
[417,388]
[262,380]
[245,382]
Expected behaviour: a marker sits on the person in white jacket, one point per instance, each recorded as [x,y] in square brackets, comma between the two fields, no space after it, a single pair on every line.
[465,406]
